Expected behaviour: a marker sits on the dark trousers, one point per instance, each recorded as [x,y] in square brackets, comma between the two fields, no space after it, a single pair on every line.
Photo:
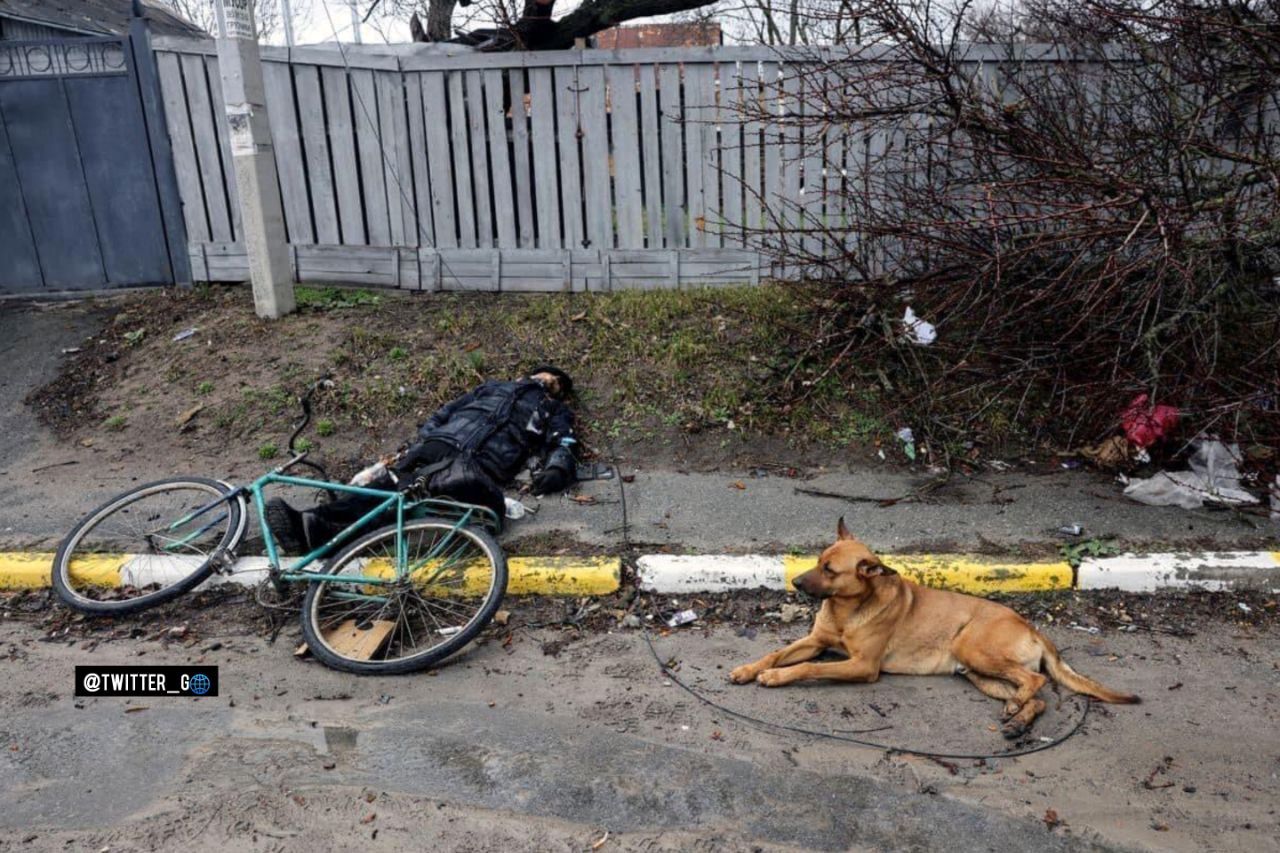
[350,507]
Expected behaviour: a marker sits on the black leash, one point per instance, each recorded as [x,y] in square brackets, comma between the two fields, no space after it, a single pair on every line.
[765,724]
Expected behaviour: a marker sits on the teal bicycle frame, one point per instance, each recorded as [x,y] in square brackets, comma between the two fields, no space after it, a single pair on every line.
[461,514]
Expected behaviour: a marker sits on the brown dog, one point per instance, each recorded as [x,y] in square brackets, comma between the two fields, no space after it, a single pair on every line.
[885,623]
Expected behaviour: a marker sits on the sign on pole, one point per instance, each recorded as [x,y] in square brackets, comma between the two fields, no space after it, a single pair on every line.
[261,212]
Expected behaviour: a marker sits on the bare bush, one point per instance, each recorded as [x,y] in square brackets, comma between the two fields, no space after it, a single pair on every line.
[1083,221]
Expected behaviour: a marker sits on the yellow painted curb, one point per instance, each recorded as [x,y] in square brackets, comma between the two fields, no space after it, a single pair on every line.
[978,575]
[527,575]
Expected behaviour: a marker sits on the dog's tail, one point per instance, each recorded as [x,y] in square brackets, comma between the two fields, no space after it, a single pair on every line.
[1060,672]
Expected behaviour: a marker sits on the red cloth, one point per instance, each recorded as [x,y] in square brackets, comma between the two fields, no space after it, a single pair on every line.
[1145,424]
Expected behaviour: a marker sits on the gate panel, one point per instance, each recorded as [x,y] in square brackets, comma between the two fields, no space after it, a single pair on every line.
[119,176]
[18,261]
[43,142]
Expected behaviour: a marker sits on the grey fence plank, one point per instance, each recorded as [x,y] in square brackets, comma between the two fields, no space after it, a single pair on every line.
[205,134]
[792,152]
[504,204]
[649,124]
[439,158]
[479,158]
[315,145]
[675,210]
[276,79]
[462,170]
[391,139]
[772,101]
[731,177]
[364,107]
[752,148]
[342,148]
[224,142]
[813,139]
[627,140]
[185,162]
[520,143]
[567,120]
[595,158]
[417,148]
[698,82]
[546,180]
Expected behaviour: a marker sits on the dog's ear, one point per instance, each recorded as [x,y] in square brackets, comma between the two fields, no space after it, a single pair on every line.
[842,532]
[871,567]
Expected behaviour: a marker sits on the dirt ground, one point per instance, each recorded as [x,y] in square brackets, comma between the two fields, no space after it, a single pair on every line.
[560,727]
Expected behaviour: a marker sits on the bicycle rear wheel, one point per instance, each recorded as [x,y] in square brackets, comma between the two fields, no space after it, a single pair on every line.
[453,581]
[147,546]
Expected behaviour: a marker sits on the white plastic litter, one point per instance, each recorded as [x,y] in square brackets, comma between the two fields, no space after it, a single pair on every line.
[515,509]
[368,475]
[908,439]
[919,331]
[1213,478]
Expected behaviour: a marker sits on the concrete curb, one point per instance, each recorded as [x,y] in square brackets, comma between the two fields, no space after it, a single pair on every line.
[673,574]
[527,575]
[1214,570]
[681,574]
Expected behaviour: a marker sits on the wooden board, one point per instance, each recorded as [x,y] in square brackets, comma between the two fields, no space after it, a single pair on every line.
[439,158]
[464,189]
[650,121]
[342,148]
[523,176]
[364,109]
[567,120]
[315,144]
[224,142]
[474,86]
[627,140]
[675,209]
[185,163]
[418,160]
[208,153]
[359,643]
[596,186]
[504,202]
[546,177]
[285,140]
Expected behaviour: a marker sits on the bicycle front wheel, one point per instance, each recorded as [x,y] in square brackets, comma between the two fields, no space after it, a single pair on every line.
[147,546]
[380,613]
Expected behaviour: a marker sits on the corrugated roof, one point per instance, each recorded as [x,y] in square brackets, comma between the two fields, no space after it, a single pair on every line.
[105,17]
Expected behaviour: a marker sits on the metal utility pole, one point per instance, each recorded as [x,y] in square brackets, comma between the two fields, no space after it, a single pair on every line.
[261,213]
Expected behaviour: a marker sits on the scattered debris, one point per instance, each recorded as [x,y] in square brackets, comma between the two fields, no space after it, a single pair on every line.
[792,612]
[1110,454]
[738,484]
[185,418]
[515,509]
[502,617]
[919,332]
[1145,424]
[684,617]
[908,439]
[583,500]
[1244,607]
[1051,819]
[599,842]
[1091,629]
[184,334]
[1071,530]
[71,350]
[1213,477]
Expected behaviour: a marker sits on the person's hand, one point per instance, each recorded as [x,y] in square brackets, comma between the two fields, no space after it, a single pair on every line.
[550,480]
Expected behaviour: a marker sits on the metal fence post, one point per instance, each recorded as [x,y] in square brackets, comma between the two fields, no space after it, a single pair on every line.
[261,212]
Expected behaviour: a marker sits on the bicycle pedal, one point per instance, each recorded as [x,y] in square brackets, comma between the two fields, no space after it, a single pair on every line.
[225,562]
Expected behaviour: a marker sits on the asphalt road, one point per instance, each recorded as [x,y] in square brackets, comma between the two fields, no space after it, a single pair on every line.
[555,738]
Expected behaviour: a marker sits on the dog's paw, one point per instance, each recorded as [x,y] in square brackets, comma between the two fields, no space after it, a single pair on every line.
[743,674]
[1013,729]
[772,678]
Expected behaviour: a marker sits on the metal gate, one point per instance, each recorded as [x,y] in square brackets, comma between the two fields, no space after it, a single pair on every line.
[88,196]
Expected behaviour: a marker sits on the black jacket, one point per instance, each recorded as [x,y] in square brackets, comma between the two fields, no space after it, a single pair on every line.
[501,424]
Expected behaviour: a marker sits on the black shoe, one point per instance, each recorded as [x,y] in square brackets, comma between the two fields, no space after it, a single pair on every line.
[316,531]
[286,526]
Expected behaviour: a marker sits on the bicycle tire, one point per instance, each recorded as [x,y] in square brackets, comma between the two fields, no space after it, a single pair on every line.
[312,629]
[60,571]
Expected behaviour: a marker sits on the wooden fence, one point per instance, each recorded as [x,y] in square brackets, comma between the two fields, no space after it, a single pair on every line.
[546,171]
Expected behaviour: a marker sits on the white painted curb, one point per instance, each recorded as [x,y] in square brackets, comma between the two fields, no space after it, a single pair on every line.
[1216,571]
[671,574]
